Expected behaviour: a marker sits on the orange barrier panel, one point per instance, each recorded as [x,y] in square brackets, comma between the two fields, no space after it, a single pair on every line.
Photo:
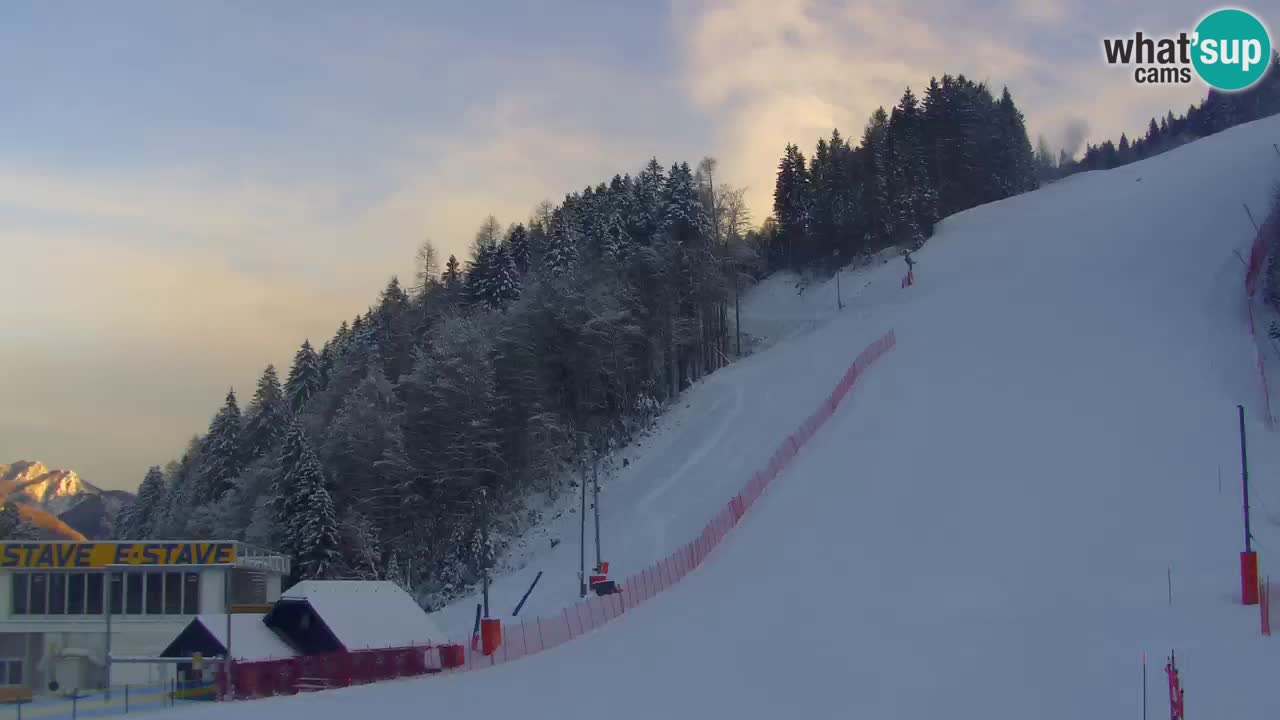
[490,635]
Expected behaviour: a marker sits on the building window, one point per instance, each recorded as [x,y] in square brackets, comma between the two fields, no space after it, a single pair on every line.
[155,593]
[10,671]
[191,594]
[57,593]
[117,593]
[248,587]
[94,593]
[127,593]
[20,581]
[39,588]
[172,593]
[133,593]
[75,594]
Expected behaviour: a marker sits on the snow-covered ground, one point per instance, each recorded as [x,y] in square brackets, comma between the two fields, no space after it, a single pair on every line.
[785,305]
[988,526]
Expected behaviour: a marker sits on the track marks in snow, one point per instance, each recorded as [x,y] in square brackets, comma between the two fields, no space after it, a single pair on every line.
[659,524]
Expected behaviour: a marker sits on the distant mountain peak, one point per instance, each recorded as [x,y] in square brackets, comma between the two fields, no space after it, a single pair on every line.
[63,494]
[53,490]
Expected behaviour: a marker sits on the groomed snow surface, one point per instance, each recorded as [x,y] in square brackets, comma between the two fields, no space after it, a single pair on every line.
[988,525]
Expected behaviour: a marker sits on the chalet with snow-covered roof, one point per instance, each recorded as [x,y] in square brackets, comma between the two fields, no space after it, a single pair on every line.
[319,616]
[243,637]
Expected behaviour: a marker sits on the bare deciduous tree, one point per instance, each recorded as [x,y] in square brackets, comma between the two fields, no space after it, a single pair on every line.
[427,261]
[489,234]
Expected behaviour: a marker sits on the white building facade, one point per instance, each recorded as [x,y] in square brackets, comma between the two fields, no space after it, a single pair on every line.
[81,614]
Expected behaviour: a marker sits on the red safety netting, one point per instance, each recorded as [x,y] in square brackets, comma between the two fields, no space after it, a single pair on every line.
[259,679]
[316,672]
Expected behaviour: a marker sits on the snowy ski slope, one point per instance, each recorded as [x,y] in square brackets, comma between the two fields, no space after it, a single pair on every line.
[986,527]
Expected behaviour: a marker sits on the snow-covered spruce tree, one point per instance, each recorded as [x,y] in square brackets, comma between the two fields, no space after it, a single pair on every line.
[877,200]
[1018,171]
[305,379]
[478,282]
[394,573]
[915,199]
[138,519]
[366,427]
[391,329]
[617,245]
[791,205]
[451,278]
[304,510]
[504,281]
[267,417]
[517,243]
[180,486]
[222,455]
[700,280]
[561,254]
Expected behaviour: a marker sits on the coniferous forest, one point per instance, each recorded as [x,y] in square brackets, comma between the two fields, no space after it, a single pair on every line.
[956,148]
[386,450]
[1219,111]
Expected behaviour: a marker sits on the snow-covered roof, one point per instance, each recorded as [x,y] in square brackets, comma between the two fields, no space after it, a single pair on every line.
[250,638]
[366,614]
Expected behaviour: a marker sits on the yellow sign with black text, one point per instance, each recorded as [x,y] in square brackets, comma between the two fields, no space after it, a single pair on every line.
[69,555]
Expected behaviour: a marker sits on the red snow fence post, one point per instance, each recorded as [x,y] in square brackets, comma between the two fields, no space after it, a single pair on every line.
[1175,690]
[490,635]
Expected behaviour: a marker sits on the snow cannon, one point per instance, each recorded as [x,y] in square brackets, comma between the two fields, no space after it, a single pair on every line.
[600,583]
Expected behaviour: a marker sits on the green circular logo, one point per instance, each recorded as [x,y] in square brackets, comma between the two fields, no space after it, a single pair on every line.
[1231,49]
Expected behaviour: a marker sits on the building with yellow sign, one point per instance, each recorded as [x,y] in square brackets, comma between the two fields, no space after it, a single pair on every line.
[88,615]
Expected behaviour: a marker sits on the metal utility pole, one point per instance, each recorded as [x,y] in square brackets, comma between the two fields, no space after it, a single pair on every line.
[106,585]
[582,533]
[228,599]
[595,499]
[484,540]
[1244,476]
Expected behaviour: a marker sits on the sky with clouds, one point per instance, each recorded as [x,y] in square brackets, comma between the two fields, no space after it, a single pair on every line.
[188,190]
